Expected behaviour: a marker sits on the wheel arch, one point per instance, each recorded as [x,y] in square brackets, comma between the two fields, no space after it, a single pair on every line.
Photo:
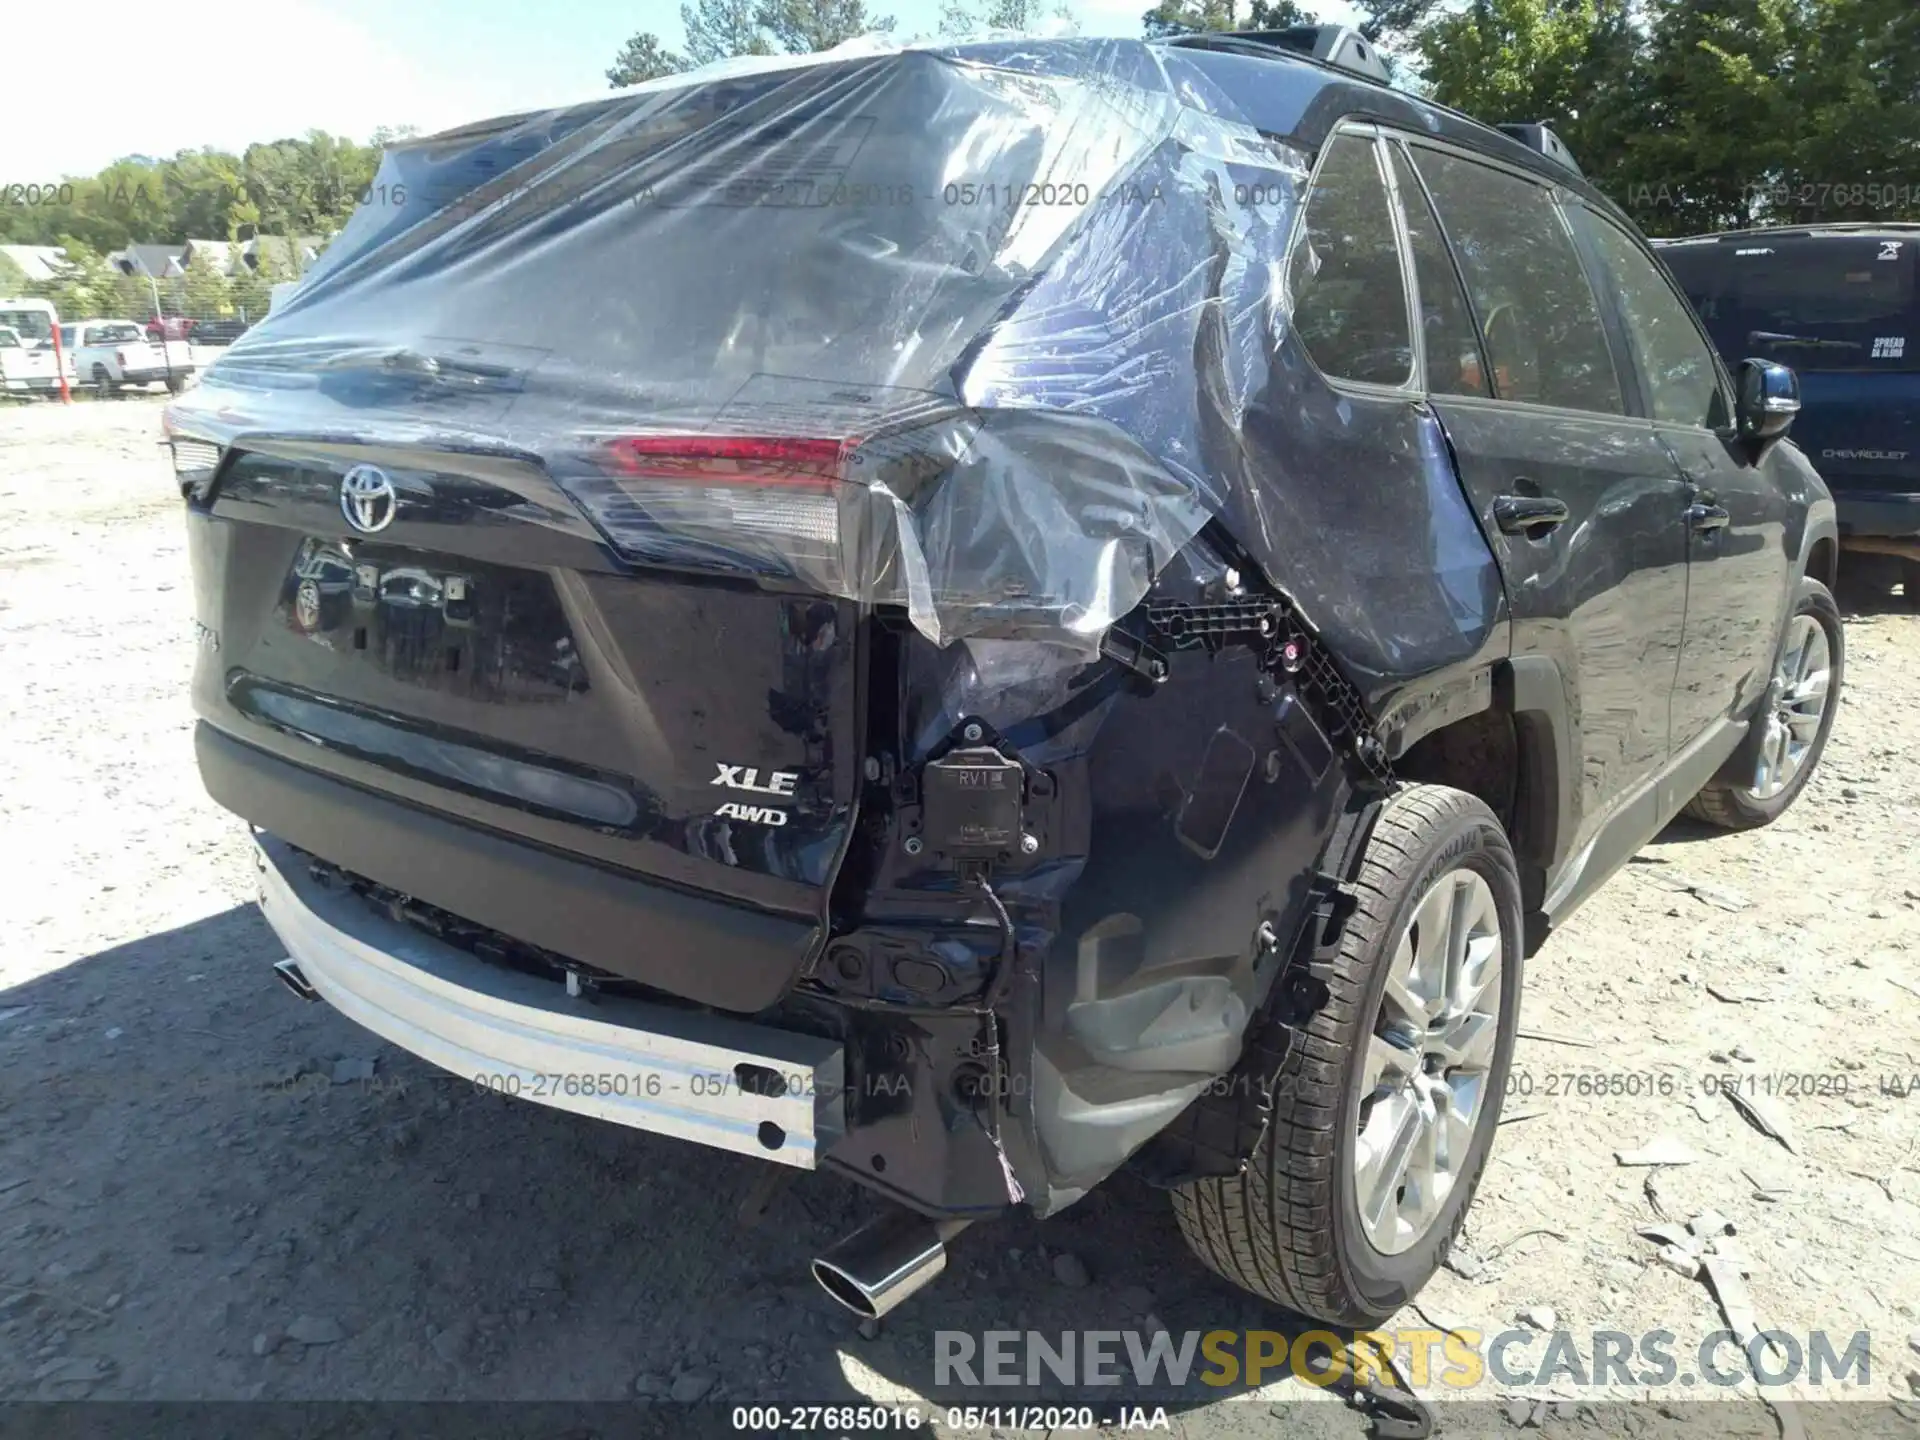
[1516,753]
[1823,560]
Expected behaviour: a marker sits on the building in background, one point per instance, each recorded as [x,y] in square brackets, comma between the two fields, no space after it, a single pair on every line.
[40,264]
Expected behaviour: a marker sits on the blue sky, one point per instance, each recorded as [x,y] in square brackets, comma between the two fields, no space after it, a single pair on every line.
[340,65]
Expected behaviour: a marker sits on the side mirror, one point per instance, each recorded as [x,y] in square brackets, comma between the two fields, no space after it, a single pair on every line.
[1769,399]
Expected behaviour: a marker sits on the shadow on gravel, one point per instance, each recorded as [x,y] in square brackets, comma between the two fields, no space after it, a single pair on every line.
[187,1170]
[1871,585]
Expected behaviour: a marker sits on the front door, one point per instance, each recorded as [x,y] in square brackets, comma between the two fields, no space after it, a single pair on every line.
[1736,515]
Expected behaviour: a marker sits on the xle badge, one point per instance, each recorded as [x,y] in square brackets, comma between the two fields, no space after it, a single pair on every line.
[779,783]
[747,777]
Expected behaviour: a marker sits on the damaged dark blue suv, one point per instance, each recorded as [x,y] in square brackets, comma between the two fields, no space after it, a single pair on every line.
[976,616]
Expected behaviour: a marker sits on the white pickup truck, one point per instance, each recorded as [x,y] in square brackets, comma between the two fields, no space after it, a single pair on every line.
[113,353]
[26,369]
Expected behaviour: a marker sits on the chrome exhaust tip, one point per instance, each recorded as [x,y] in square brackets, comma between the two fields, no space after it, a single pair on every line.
[290,976]
[886,1262]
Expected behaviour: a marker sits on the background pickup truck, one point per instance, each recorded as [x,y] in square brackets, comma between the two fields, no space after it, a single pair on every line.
[28,369]
[112,353]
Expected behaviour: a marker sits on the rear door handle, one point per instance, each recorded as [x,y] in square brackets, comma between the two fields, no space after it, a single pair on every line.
[1528,515]
[1701,517]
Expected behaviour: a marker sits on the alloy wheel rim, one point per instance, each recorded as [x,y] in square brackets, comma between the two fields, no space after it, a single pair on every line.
[1802,682]
[1425,1079]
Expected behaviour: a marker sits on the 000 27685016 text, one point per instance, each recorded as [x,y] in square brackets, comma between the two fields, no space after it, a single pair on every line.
[644,1084]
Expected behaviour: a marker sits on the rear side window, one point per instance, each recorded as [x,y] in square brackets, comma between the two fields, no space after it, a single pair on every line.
[115,334]
[27,324]
[1682,382]
[1536,310]
[1819,302]
[1446,322]
[1349,301]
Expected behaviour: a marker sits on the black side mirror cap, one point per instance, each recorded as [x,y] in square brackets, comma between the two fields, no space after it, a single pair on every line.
[1768,401]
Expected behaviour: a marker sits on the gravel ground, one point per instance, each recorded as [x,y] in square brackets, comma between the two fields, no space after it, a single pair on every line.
[192,1208]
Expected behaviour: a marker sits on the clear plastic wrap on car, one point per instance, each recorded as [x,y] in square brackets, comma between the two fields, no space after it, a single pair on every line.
[875,323]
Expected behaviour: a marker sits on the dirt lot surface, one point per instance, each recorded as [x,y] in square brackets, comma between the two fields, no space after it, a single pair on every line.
[191,1207]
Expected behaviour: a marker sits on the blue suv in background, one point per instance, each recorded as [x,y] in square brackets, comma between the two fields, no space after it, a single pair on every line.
[1839,304]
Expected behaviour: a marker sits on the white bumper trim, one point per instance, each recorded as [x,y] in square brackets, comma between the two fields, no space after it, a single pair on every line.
[619,1059]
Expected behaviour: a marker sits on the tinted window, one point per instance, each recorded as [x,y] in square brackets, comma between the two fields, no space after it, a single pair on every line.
[1349,302]
[1446,324]
[1530,295]
[1838,302]
[115,334]
[66,336]
[1682,382]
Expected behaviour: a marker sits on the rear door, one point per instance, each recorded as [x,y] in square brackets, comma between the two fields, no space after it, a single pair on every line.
[1578,498]
[1843,310]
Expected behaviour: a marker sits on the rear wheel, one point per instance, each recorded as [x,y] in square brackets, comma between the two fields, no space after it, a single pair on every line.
[1910,582]
[1384,1111]
[1795,718]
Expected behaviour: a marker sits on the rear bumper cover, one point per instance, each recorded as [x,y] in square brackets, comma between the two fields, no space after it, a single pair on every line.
[728,956]
[649,1067]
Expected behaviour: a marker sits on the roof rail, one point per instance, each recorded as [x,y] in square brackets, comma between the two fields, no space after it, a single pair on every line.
[1802,231]
[1539,138]
[1340,46]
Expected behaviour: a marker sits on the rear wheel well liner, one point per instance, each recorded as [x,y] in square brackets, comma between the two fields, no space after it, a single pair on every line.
[1823,561]
[1515,756]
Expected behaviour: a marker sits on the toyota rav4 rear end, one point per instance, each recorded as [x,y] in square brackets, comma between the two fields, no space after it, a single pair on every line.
[723,605]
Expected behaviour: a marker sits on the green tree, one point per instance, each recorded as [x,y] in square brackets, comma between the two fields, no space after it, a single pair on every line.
[1855,95]
[643,57]
[803,26]
[203,291]
[962,18]
[1184,17]
[90,286]
[283,187]
[1713,122]
[1569,63]
[721,29]
[1390,21]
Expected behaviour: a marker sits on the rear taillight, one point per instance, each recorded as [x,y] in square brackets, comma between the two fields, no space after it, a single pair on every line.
[121,356]
[772,505]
